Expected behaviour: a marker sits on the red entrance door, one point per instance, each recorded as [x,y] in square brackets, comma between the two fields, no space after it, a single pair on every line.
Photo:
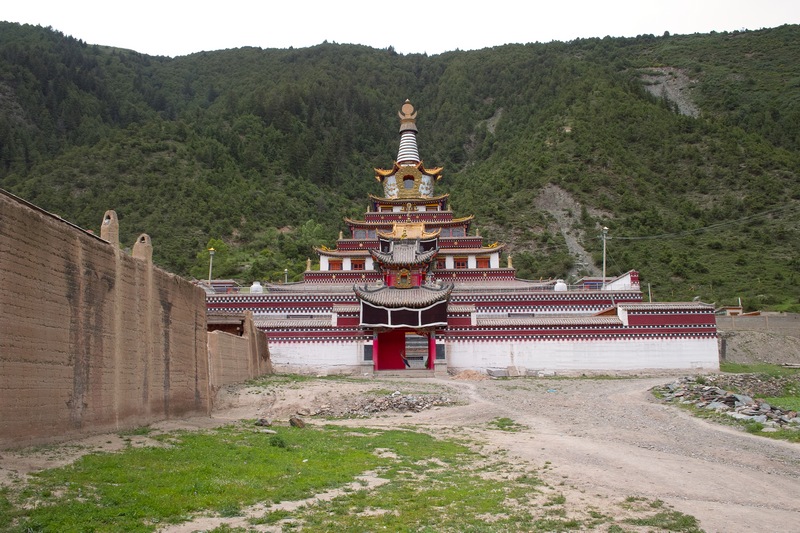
[391,347]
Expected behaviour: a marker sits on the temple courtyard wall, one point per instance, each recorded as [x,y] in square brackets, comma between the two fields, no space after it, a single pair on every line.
[551,356]
[566,356]
[93,339]
[320,358]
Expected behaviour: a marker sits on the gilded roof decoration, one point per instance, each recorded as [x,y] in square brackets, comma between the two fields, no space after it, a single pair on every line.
[434,172]
[408,230]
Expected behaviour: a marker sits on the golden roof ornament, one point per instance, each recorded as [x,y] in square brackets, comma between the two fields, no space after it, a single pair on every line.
[408,117]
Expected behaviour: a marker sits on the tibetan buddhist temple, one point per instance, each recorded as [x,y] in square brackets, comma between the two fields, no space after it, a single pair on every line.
[412,287]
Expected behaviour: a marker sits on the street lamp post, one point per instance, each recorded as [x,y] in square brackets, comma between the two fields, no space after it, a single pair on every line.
[605,236]
[285,275]
[210,264]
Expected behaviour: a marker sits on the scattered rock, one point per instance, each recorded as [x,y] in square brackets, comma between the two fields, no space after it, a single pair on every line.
[297,422]
[396,401]
[266,422]
[702,394]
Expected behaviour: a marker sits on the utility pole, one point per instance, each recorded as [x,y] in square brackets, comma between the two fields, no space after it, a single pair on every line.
[605,237]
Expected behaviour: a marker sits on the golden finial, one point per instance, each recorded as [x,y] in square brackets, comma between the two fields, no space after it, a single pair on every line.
[408,117]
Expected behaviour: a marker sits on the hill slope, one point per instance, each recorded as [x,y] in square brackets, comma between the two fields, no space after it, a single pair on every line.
[686,147]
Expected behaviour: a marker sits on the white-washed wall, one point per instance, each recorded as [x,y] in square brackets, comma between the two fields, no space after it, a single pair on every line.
[564,356]
[331,357]
[568,355]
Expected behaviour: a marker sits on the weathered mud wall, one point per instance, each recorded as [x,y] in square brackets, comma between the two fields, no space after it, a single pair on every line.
[234,359]
[783,324]
[91,339]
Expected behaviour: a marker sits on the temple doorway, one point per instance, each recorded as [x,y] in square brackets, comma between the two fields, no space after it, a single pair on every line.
[403,349]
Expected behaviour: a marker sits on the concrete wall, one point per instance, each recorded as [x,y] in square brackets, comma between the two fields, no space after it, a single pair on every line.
[91,339]
[234,358]
[784,324]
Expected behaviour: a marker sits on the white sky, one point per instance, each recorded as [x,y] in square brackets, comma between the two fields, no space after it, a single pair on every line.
[178,27]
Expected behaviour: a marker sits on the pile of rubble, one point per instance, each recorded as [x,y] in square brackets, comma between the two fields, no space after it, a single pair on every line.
[396,401]
[704,394]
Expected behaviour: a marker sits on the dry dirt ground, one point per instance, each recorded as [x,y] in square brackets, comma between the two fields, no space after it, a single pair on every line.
[603,440]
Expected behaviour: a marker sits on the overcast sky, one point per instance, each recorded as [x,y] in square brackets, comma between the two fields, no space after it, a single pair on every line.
[177,27]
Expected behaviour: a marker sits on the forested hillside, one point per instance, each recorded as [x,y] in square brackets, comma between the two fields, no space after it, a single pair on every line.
[686,147]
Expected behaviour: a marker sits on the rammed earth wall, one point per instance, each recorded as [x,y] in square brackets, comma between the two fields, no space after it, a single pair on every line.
[784,324]
[232,359]
[91,339]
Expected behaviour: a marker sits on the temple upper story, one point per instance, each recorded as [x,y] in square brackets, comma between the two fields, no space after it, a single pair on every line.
[409,201]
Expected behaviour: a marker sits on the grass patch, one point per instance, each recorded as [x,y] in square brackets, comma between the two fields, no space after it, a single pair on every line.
[658,515]
[668,521]
[790,403]
[506,424]
[218,471]
[136,432]
[765,369]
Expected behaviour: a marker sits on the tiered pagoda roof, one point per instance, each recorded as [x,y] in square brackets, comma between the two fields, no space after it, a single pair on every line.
[409,202]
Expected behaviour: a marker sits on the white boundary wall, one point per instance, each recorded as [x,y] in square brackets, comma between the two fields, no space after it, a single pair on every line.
[556,356]
[318,357]
[606,355]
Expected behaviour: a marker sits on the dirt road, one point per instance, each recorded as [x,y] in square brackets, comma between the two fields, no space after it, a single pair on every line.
[609,439]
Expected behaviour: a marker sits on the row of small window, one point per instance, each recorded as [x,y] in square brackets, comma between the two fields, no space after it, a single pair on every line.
[355,264]
[362,234]
[459,263]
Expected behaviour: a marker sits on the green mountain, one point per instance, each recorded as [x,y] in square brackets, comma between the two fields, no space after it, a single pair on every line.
[686,147]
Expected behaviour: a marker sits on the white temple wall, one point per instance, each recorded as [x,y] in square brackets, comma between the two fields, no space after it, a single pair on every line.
[449,263]
[567,355]
[471,262]
[494,260]
[323,263]
[557,356]
[328,357]
[369,264]
[346,264]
